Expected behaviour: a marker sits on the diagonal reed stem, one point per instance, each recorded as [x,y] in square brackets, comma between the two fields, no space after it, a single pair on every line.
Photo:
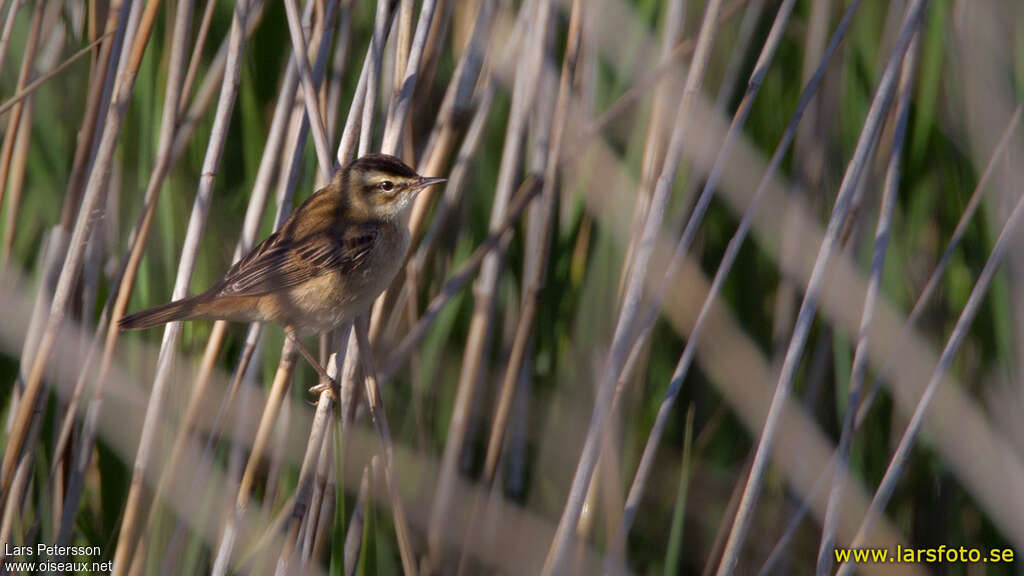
[808,308]
[860,358]
[631,301]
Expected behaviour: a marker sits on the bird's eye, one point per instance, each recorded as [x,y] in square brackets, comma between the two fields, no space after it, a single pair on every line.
[387,185]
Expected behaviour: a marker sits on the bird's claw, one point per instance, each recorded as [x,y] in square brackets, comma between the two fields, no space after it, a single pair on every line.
[323,386]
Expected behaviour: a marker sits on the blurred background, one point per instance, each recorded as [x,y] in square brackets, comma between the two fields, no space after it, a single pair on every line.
[713,286]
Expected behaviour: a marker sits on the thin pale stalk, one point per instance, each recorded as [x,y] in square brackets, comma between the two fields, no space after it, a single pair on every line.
[190,250]
[278,390]
[353,123]
[657,134]
[399,110]
[455,185]
[657,75]
[12,507]
[380,422]
[5,36]
[210,86]
[354,532]
[860,358]
[689,233]
[197,55]
[956,338]
[321,503]
[919,305]
[537,271]
[458,100]
[308,471]
[24,77]
[309,91]
[17,179]
[403,41]
[808,308]
[630,308]
[474,362]
[376,55]
[101,75]
[936,277]
[83,228]
[22,93]
[117,300]
[339,64]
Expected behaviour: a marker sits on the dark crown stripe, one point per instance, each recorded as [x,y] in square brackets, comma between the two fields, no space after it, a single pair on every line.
[383,163]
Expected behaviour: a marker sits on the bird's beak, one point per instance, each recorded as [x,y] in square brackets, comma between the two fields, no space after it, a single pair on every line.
[424,182]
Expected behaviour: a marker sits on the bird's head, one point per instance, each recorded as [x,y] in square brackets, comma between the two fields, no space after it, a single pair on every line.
[382,186]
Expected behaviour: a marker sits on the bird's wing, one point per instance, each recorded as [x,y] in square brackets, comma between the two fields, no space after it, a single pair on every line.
[279,262]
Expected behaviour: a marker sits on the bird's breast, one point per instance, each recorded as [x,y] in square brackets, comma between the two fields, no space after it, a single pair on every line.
[324,302]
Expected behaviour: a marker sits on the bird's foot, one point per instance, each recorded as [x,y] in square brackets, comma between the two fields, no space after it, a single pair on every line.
[324,386]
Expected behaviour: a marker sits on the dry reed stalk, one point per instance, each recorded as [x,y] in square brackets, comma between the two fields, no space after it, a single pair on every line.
[210,86]
[398,110]
[808,165]
[309,91]
[50,74]
[660,72]
[304,502]
[12,506]
[456,183]
[197,55]
[869,133]
[339,65]
[689,233]
[474,363]
[805,450]
[83,228]
[806,97]
[279,388]
[385,9]
[630,307]
[17,179]
[354,532]
[125,278]
[403,42]
[186,264]
[657,132]
[95,104]
[458,280]
[356,114]
[24,77]
[860,358]
[5,36]
[321,505]
[380,422]
[956,338]
[536,272]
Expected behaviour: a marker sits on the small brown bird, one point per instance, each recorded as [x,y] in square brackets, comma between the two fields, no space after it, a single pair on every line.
[326,264]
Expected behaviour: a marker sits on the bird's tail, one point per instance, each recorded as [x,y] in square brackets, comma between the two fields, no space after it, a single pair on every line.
[185,309]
